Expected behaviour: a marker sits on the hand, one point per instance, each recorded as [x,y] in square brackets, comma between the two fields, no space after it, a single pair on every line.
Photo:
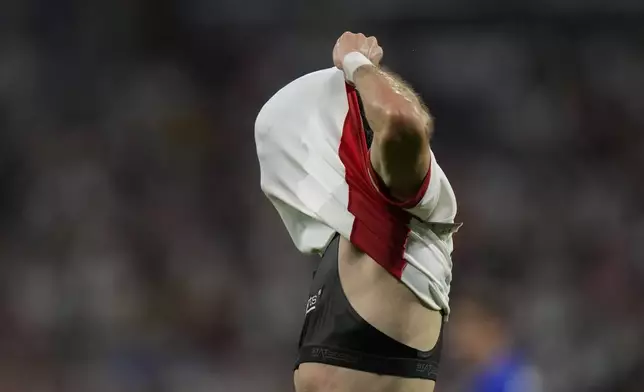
[350,42]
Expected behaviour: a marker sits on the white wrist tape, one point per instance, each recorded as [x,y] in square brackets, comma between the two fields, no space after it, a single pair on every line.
[352,62]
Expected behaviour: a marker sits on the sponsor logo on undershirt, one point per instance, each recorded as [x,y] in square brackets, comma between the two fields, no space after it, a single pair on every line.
[312,302]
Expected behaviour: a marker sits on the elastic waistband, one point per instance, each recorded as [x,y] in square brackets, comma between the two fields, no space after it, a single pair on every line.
[426,369]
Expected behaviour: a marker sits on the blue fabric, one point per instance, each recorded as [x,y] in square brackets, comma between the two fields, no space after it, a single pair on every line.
[500,374]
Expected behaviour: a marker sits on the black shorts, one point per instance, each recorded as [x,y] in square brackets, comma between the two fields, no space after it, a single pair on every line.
[334,333]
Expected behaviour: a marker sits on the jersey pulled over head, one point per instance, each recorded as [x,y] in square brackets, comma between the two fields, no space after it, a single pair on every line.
[315,169]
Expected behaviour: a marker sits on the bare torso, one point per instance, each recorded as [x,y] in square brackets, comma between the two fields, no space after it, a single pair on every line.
[386,304]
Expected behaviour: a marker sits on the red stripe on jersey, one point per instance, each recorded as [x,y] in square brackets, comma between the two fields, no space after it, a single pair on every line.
[380,227]
[412,201]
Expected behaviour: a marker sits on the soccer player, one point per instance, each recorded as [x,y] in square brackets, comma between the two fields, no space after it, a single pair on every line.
[345,159]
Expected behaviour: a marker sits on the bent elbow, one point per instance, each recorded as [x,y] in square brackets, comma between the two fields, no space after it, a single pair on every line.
[401,157]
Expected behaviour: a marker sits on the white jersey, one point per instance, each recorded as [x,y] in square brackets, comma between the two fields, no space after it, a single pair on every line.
[316,170]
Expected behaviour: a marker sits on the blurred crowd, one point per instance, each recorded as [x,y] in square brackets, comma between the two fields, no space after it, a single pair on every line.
[137,252]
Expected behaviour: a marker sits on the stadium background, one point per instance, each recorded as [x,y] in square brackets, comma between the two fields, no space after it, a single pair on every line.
[138,254]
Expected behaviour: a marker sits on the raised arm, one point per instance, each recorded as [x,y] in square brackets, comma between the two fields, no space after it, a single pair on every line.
[401,124]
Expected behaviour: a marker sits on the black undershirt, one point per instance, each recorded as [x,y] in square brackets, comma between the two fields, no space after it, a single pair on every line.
[365,124]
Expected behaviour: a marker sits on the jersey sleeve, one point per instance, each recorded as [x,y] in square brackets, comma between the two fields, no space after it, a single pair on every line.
[408,203]
[434,200]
